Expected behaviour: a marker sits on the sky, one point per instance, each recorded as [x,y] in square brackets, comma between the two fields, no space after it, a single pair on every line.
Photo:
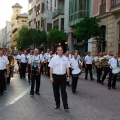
[6,10]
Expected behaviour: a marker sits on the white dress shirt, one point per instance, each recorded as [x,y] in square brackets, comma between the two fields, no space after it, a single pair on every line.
[59,64]
[88,59]
[46,56]
[113,63]
[42,58]
[3,62]
[29,57]
[18,57]
[23,58]
[74,63]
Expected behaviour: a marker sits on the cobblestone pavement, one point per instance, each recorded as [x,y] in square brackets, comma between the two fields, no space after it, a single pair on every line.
[91,102]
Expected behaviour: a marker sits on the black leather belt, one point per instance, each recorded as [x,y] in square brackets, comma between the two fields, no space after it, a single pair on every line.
[59,74]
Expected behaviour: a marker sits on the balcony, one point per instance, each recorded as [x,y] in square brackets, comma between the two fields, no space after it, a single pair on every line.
[115,6]
[102,9]
[57,12]
[115,3]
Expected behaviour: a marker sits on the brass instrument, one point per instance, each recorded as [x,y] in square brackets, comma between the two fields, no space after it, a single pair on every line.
[11,64]
[104,62]
[99,63]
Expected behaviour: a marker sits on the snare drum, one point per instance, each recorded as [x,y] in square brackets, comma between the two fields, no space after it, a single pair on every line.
[76,72]
[116,71]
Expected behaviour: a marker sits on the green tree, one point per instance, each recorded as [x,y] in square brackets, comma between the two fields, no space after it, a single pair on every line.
[27,37]
[88,28]
[56,36]
[23,38]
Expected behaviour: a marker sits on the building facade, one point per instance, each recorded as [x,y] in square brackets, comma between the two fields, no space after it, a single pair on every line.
[18,20]
[40,14]
[7,35]
[109,13]
[75,10]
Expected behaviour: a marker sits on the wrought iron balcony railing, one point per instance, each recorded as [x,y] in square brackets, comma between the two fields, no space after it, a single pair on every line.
[102,9]
[115,3]
[57,12]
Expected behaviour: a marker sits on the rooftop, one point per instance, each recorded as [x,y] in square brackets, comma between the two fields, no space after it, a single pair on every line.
[22,15]
[17,5]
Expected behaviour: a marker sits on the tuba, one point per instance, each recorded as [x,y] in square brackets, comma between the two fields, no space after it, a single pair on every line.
[104,62]
[11,64]
[99,63]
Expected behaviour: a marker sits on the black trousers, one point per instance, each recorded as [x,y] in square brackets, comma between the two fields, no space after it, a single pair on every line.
[48,69]
[23,70]
[29,72]
[35,79]
[60,84]
[2,81]
[89,68]
[106,71]
[112,77]
[74,82]
[99,72]
[45,68]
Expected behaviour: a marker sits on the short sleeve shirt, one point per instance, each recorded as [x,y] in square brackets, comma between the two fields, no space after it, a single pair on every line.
[59,64]
[88,59]
[3,62]
[113,63]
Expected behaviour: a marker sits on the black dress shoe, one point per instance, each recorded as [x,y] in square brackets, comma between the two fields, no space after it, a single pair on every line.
[31,93]
[113,87]
[92,79]
[73,91]
[57,107]
[37,93]
[102,83]
[109,88]
[85,78]
[66,108]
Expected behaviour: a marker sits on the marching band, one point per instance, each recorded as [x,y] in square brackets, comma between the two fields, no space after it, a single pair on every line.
[59,67]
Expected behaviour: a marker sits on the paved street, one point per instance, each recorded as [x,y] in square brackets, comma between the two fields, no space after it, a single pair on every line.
[91,102]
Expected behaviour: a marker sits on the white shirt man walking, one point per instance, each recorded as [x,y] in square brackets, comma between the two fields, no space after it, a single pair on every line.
[59,65]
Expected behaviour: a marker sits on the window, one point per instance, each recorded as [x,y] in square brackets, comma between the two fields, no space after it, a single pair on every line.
[78,9]
[42,8]
[49,26]
[34,21]
[55,3]
[38,10]
[29,23]
[42,22]
[30,11]
[103,2]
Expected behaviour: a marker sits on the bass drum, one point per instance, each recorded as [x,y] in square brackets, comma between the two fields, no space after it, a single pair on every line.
[76,72]
[116,71]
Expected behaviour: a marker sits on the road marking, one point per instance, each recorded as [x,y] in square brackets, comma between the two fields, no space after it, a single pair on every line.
[15,99]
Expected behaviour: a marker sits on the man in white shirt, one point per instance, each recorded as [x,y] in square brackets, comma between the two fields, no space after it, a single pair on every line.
[98,66]
[4,64]
[49,59]
[74,62]
[67,55]
[106,68]
[23,65]
[29,57]
[42,61]
[59,65]
[113,63]
[35,73]
[88,65]
[46,61]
